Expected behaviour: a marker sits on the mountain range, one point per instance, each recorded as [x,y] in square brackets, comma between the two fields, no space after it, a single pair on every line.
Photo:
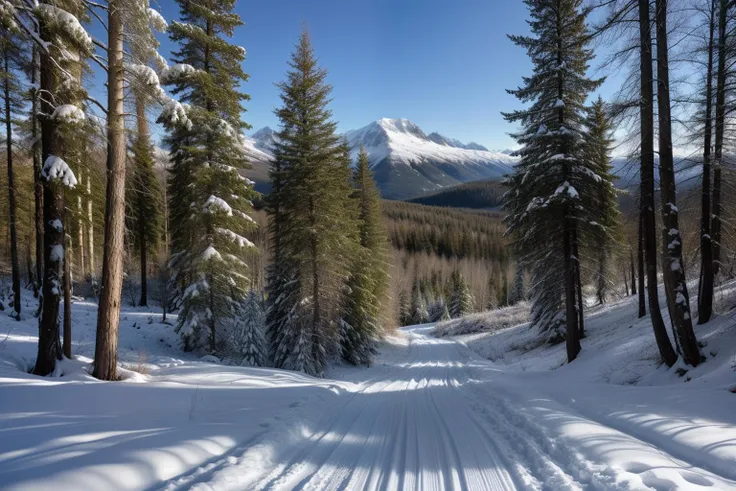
[405,160]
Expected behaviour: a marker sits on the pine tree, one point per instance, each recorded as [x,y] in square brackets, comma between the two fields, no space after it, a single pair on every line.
[62,115]
[404,308]
[11,66]
[461,301]
[600,239]
[418,310]
[209,199]
[518,294]
[368,276]
[313,220]
[143,193]
[545,216]
[249,342]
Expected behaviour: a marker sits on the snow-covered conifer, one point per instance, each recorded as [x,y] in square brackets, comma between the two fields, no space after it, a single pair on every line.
[461,301]
[553,178]
[248,340]
[209,199]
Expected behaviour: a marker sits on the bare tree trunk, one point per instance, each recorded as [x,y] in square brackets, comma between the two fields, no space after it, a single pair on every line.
[49,344]
[705,296]
[37,184]
[640,267]
[15,266]
[142,123]
[674,267]
[80,237]
[632,272]
[90,230]
[626,279]
[715,226]
[647,183]
[67,343]
[108,318]
[578,285]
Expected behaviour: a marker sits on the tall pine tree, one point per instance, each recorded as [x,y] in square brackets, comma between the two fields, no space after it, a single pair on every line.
[209,199]
[368,274]
[312,221]
[544,199]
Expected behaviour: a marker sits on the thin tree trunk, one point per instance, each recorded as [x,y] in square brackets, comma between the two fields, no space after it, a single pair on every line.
[142,123]
[674,267]
[80,237]
[647,183]
[626,280]
[49,344]
[37,184]
[11,195]
[108,318]
[640,266]
[705,295]
[632,272]
[90,230]
[67,344]
[578,285]
[715,226]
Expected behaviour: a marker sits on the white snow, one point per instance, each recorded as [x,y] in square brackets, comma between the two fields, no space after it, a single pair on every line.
[238,239]
[210,253]
[214,203]
[431,413]
[68,113]
[66,21]
[157,21]
[172,73]
[55,168]
[57,225]
[57,253]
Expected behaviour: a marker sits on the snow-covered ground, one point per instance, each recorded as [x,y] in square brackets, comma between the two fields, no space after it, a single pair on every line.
[430,414]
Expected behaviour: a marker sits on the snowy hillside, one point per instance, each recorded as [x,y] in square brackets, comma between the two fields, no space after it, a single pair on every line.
[429,414]
[406,161]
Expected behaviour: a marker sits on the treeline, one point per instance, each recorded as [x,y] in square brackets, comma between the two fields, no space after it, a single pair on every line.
[477,195]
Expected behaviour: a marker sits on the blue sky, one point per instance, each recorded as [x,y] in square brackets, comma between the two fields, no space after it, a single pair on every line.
[443,64]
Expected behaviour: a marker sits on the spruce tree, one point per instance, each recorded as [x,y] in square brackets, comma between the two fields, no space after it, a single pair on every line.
[249,342]
[209,199]
[368,274]
[600,239]
[461,301]
[312,219]
[544,200]
[418,310]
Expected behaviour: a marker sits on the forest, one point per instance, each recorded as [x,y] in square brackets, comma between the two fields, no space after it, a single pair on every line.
[141,198]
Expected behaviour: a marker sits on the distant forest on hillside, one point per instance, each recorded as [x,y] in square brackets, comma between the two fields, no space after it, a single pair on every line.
[476,195]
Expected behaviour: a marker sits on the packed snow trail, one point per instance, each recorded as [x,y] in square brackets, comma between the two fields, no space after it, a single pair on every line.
[432,416]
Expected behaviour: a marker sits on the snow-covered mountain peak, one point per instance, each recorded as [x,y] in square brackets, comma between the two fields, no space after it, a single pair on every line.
[401,125]
[264,139]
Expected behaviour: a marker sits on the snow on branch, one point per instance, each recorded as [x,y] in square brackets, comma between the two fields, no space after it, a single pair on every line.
[157,21]
[68,22]
[214,203]
[173,73]
[238,239]
[7,16]
[68,113]
[54,168]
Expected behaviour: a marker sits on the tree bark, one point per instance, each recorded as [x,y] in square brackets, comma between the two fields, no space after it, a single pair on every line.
[67,342]
[674,267]
[49,344]
[142,123]
[15,266]
[90,230]
[108,318]
[705,289]
[715,226]
[647,183]
[632,272]
[80,237]
[640,266]
[37,184]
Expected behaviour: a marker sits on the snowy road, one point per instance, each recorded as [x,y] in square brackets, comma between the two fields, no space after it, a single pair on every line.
[433,416]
